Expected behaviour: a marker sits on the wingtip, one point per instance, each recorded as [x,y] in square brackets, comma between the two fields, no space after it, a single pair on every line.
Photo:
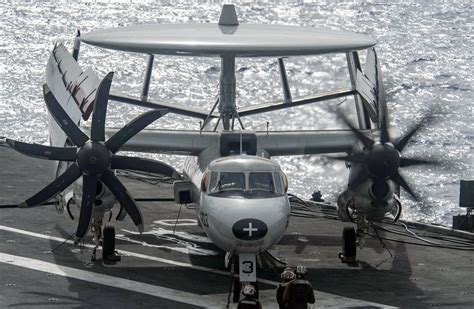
[141,228]
[10,142]
[46,89]
[110,75]
[23,205]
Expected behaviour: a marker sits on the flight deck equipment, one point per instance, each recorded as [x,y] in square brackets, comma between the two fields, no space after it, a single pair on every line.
[182,192]
[466,199]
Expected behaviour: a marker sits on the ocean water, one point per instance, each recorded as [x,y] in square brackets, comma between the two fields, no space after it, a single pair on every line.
[424,47]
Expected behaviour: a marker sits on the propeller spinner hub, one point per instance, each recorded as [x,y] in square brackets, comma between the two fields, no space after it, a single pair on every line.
[93,158]
[383,160]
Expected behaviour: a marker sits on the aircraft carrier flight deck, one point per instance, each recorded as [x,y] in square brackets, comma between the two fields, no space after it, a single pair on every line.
[174,265]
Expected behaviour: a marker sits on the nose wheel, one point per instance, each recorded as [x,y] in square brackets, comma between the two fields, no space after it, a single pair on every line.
[349,245]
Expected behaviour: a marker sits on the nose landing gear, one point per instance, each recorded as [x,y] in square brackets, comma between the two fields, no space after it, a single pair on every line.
[106,238]
[109,255]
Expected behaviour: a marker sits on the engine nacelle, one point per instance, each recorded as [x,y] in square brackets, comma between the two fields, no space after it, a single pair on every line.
[104,200]
[371,199]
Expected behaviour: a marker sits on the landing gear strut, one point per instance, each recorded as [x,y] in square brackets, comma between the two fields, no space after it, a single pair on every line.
[237,286]
[349,245]
[236,290]
[245,265]
[109,255]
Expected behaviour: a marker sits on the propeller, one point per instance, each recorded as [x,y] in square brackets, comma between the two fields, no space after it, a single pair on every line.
[93,158]
[383,158]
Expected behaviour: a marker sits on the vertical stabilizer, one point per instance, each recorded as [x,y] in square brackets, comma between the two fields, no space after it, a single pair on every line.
[369,85]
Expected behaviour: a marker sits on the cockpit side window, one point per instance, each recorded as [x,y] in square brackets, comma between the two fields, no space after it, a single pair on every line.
[229,181]
[213,183]
[261,181]
[278,185]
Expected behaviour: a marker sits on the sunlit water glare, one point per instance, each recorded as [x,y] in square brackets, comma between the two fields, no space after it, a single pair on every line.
[425,50]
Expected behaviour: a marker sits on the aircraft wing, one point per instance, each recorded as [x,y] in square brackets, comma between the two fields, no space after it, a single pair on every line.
[287,143]
[281,143]
[178,142]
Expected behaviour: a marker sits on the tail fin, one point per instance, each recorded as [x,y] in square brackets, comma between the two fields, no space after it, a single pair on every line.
[369,85]
[73,88]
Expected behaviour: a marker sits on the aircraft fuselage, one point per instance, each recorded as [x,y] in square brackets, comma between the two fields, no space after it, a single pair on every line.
[242,201]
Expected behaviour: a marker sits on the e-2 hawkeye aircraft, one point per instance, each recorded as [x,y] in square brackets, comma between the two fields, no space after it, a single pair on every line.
[239,193]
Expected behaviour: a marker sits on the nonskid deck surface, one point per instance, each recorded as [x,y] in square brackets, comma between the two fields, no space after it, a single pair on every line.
[162,269]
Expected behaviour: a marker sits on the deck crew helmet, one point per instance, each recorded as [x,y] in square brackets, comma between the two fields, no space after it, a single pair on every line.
[301,270]
[288,274]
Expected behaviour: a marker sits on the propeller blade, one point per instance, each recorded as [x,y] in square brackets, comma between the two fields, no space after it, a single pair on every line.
[357,158]
[401,181]
[88,199]
[58,185]
[62,119]
[132,128]
[43,152]
[100,109]
[364,139]
[403,141]
[121,215]
[385,135]
[124,198]
[144,165]
[414,161]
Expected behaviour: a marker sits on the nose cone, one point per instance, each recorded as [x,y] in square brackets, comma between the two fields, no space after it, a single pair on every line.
[250,229]
[245,225]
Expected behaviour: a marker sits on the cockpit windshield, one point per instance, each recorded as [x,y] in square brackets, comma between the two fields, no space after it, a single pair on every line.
[261,181]
[246,184]
[230,181]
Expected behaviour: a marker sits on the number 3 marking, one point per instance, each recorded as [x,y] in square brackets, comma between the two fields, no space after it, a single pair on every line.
[248,267]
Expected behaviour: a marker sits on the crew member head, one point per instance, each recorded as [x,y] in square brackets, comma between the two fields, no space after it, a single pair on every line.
[287,275]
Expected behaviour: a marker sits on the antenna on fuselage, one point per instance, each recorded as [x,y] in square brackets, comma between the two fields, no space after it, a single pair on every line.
[241,142]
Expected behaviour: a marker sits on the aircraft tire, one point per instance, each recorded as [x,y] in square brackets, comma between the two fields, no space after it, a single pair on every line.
[349,248]
[108,244]
[236,291]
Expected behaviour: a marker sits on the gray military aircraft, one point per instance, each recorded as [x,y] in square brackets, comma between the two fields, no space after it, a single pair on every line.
[239,193]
